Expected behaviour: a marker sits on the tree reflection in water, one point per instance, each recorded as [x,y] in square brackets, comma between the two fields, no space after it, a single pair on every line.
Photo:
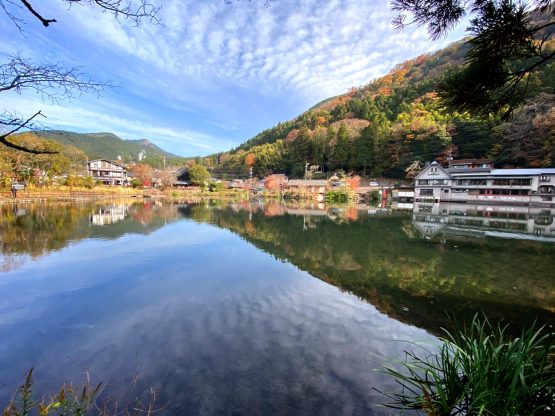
[377,254]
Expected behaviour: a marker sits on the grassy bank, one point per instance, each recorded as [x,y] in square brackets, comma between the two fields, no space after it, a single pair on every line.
[65,193]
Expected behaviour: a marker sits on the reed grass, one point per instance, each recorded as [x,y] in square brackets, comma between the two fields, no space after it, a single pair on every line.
[479,370]
[86,399]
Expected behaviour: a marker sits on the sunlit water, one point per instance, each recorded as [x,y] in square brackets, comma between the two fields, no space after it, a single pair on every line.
[244,308]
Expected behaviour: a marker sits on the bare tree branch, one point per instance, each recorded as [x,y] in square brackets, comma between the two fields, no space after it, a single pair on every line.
[45,22]
[16,20]
[19,126]
[52,81]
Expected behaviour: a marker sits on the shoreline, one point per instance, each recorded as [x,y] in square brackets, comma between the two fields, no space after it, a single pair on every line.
[95,194]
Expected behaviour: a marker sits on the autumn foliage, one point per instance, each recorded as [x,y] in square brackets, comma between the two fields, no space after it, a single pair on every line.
[353,182]
[143,172]
[250,159]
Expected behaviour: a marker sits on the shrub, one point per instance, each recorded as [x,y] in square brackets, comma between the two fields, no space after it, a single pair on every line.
[216,186]
[136,183]
[375,196]
[337,197]
[79,181]
[480,371]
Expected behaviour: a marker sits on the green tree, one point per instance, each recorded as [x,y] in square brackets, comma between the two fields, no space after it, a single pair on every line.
[198,174]
[510,41]
[364,149]
[342,148]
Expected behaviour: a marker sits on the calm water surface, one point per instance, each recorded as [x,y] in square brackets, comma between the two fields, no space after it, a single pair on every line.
[248,308]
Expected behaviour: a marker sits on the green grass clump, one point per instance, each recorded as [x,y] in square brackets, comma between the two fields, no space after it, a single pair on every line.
[69,401]
[480,370]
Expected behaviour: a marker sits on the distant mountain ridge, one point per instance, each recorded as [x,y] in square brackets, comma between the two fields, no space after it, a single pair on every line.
[109,146]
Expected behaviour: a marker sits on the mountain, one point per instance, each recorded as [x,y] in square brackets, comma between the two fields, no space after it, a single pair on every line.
[110,146]
[396,123]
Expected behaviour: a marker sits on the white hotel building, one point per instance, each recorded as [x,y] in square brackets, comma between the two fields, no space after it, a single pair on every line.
[475,180]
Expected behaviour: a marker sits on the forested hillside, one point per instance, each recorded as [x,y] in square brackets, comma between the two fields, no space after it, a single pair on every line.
[109,146]
[39,168]
[396,123]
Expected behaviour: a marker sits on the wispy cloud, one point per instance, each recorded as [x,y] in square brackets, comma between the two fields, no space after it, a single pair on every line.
[231,70]
[86,118]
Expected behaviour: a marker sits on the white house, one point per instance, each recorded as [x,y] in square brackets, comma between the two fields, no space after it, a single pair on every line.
[107,172]
[475,180]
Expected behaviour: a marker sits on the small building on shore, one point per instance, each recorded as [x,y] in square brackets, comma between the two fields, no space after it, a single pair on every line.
[315,186]
[107,172]
[475,180]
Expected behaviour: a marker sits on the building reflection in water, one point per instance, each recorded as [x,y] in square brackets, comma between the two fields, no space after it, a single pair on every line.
[109,214]
[506,221]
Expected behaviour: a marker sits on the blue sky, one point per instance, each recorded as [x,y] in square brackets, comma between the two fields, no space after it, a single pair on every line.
[214,74]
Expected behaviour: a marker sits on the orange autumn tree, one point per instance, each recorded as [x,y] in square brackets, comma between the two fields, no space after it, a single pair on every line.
[353,182]
[250,159]
[143,173]
[271,184]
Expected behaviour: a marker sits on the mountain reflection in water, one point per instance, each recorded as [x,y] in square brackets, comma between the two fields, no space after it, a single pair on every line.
[391,259]
[218,325]
[442,258]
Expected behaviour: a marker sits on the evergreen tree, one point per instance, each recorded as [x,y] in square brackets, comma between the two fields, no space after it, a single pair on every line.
[342,148]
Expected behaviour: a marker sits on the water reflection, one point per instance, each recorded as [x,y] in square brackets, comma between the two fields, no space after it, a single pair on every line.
[186,289]
[217,325]
[522,222]
[414,267]
[105,215]
[32,230]
[393,263]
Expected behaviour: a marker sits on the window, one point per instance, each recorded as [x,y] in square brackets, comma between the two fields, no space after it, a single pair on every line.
[517,182]
[471,182]
[426,192]
[432,182]
[544,178]
[434,171]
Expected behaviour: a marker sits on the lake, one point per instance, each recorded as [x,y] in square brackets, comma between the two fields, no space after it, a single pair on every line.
[249,308]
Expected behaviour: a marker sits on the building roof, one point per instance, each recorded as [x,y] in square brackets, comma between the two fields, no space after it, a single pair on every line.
[109,161]
[308,182]
[533,171]
[468,161]
[434,163]
[505,172]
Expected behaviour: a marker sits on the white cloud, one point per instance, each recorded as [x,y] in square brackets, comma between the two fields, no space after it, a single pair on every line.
[210,59]
[179,140]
